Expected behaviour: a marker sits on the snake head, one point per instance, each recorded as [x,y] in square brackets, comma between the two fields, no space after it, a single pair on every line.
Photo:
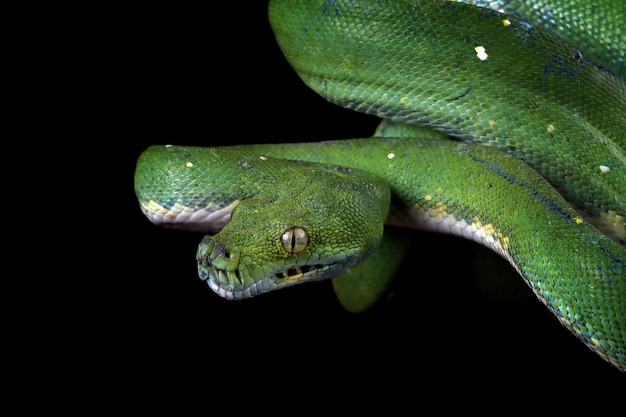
[308,226]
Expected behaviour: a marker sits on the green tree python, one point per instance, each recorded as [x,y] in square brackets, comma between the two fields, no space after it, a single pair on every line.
[501,123]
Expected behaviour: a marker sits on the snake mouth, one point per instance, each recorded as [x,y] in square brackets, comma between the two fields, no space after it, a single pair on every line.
[296,272]
[233,286]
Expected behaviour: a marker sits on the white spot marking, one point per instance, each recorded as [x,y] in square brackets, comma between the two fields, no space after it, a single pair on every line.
[188,164]
[481,53]
[604,168]
[391,155]
[262,158]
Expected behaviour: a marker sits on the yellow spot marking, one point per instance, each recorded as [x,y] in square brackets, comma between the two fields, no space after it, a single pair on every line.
[506,22]
[481,53]
[188,164]
[391,155]
[441,208]
[262,158]
[152,207]
[491,231]
[578,220]
[595,342]
[404,100]
[428,197]
[492,122]
[604,168]
[550,128]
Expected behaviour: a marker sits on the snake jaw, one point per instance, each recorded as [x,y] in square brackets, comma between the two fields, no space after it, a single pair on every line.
[232,285]
[221,268]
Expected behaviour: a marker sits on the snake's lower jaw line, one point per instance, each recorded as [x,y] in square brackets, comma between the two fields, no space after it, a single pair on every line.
[232,286]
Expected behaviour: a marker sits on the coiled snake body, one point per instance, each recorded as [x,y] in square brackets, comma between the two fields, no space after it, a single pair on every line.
[548,192]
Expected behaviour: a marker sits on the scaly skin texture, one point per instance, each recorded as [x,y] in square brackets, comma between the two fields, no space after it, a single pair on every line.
[598,29]
[528,93]
[533,96]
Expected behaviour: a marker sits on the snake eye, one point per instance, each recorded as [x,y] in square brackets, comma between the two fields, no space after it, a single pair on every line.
[295,240]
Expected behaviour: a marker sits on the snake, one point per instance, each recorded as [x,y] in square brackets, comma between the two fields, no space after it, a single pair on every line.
[502,122]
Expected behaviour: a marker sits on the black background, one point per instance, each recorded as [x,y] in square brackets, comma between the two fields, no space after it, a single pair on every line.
[214,76]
